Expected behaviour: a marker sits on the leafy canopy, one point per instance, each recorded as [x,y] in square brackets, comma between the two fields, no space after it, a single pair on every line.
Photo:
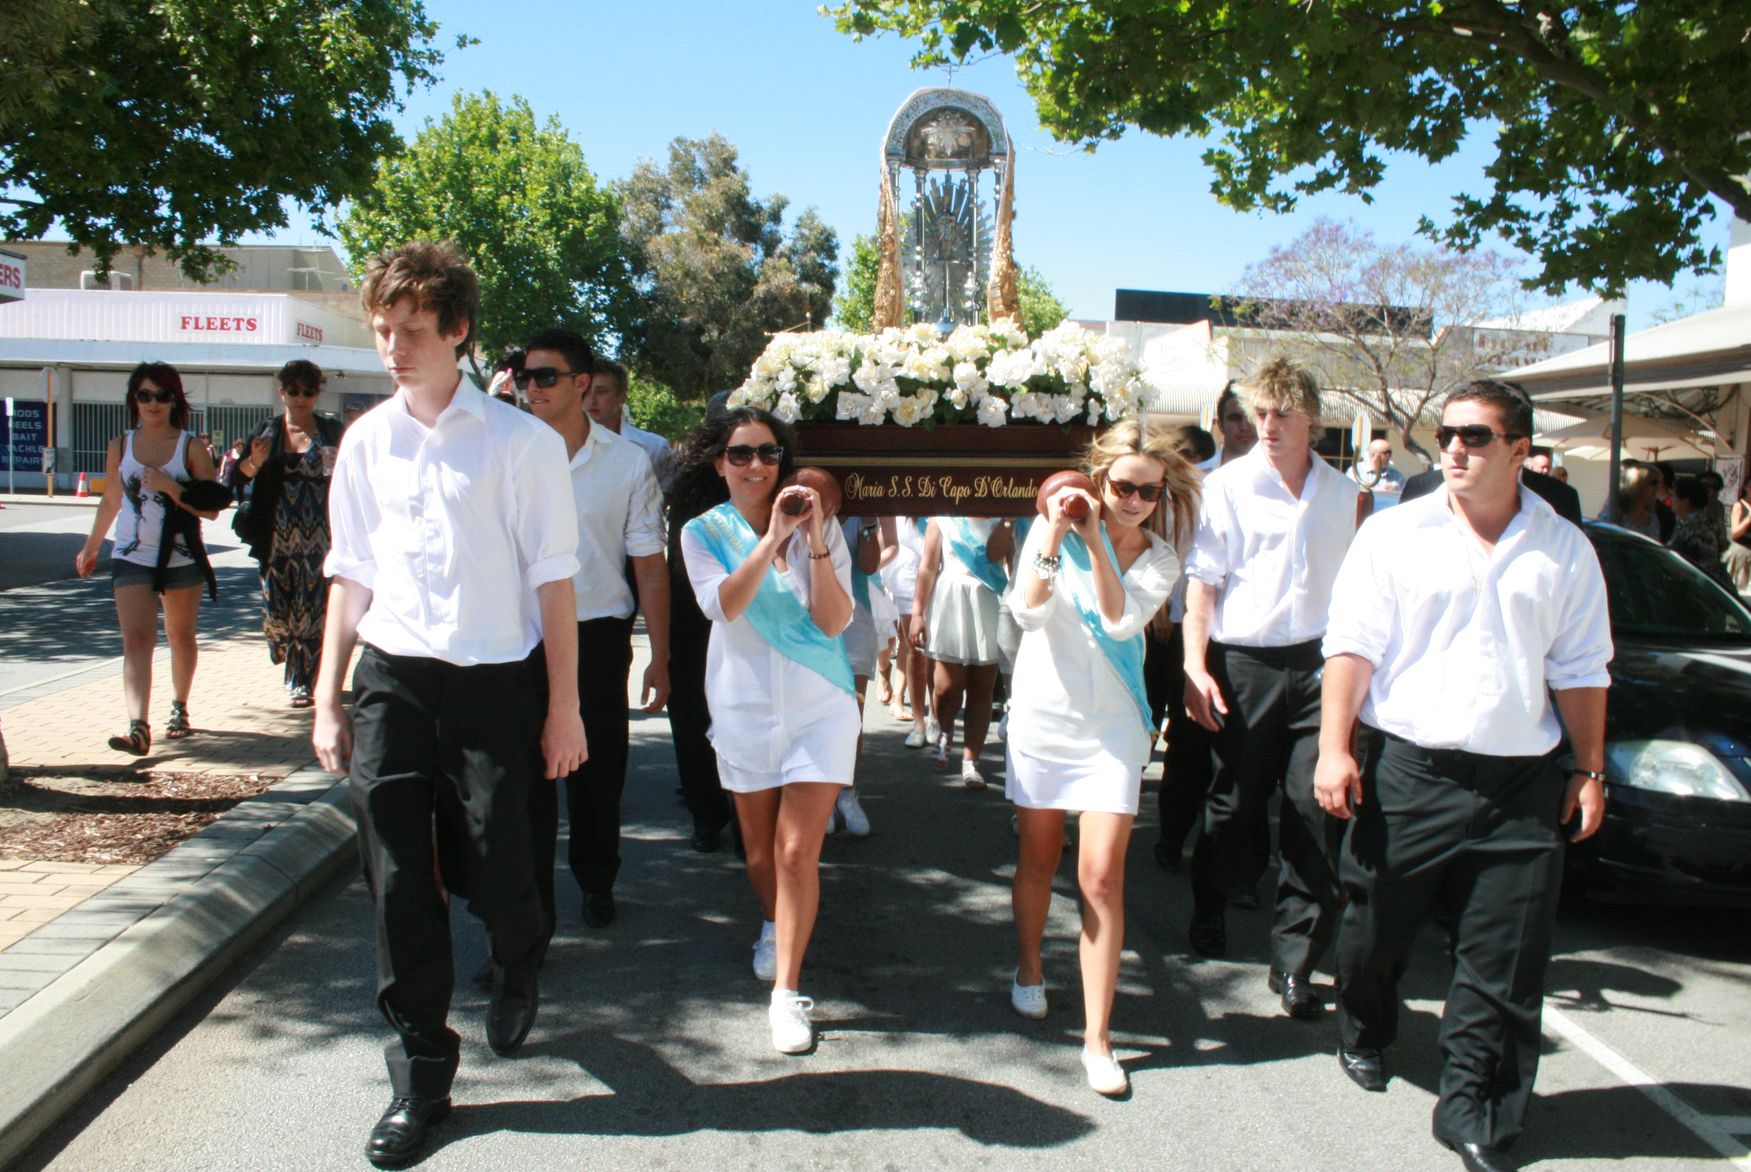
[1615,122]
[171,123]
[518,199]
[715,270]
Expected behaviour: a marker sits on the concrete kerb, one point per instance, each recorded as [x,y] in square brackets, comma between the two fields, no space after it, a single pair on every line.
[67,1038]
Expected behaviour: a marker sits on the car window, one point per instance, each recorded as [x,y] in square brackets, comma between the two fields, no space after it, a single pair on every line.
[1652,591]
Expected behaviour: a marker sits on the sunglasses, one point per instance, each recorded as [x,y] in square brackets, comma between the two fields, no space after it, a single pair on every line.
[1149,492]
[741,455]
[541,376]
[1472,435]
[145,396]
[300,392]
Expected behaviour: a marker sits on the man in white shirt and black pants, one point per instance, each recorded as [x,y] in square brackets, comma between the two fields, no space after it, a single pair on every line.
[1272,532]
[1457,618]
[620,519]
[454,547]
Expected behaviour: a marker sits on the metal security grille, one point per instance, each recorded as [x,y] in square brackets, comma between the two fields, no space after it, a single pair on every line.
[94,425]
[227,423]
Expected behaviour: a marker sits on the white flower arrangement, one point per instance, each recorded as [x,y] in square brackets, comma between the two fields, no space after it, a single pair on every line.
[991,375]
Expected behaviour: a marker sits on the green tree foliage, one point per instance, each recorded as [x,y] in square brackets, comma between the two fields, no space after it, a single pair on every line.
[171,123]
[655,408]
[518,199]
[1615,122]
[855,305]
[716,271]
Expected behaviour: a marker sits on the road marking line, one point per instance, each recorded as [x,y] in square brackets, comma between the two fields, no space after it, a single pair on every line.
[1708,1130]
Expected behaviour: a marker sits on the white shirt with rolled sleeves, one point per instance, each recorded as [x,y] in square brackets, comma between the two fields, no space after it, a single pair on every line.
[759,697]
[620,515]
[1272,556]
[1067,704]
[1466,644]
[452,528]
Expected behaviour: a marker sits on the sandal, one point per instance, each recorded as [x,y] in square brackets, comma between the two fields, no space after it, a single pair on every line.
[301,698]
[138,740]
[176,727]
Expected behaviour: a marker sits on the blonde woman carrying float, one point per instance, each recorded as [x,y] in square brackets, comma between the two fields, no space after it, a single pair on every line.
[1079,729]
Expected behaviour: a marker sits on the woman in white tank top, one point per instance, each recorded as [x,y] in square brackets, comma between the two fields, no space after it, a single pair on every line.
[142,473]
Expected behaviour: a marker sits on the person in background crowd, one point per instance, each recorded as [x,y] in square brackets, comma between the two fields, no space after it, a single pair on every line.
[1273,531]
[1560,472]
[872,617]
[150,474]
[1663,498]
[1079,730]
[228,469]
[619,517]
[1235,424]
[1538,461]
[902,578]
[1694,536]
[466,692]
[1637,485]
[1455,621]
[503,384]
[1739,532]
[1717,509]
[606,404]
[955,622]
[285,523]
[1375,473]
[776,585]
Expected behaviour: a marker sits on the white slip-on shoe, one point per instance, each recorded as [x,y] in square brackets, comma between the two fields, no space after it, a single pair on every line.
[1028,1000]
[792,1032]
[851,813]
[970,775]
[915,739]
[766,952]
[932,730]
[939,752]
[1105,1075]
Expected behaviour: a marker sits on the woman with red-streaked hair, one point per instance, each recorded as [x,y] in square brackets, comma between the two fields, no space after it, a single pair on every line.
[158,552]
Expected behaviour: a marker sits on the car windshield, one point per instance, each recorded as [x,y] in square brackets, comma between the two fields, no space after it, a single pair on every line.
[1654,592]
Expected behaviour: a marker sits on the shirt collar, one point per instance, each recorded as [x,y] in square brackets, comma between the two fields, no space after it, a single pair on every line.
[598,437]
[467,398]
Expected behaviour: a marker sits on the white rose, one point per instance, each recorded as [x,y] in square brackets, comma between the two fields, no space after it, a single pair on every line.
[908,412]
[850,405]
[787,409]
[993,412]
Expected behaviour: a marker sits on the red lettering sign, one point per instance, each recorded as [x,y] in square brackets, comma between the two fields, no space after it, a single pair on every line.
[11,276]
[223,325]
[307,332]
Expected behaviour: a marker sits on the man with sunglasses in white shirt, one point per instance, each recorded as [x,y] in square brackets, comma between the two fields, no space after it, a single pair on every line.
[620,519]
[1457,618]
[1271,534]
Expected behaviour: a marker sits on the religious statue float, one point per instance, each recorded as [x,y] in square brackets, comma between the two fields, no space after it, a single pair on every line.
[946,415]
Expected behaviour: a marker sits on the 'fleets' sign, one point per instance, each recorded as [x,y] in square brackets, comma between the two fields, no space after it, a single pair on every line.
[11,277]
[217,323]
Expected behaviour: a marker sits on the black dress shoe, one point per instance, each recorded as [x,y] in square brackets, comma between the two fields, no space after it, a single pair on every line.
[1478,1158]
[1209,935]
[705,841]
[401,1133]
[1365,1068]
[516,995]
[599,909]
[1299,999]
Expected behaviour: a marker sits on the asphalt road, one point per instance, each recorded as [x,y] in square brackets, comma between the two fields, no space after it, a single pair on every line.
[652,1049]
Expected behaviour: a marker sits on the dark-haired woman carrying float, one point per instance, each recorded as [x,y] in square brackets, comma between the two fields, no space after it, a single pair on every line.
[784,721]
[1091,575]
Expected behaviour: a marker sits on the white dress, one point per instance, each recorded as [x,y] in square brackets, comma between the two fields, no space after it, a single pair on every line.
[1075,739]
[861,638]
[773,721]
[900,575]
[962,624]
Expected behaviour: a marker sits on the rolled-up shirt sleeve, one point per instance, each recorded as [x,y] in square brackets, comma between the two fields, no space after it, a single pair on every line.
[704,571]
[1582,649]
[547,518]
[644,513]
[351,516]
[1030,618]
[1146,588]
[1359,622]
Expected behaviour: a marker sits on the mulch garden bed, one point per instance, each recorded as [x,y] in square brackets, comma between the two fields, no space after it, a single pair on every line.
[125,815]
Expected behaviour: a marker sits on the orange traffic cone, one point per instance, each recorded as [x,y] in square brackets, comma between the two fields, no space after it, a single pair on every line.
[84,488]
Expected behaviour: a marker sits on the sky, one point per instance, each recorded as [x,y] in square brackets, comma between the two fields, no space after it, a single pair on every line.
[808,106]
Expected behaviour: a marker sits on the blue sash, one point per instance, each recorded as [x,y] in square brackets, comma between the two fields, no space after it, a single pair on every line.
[1126,657]
[777,615]
[969,549]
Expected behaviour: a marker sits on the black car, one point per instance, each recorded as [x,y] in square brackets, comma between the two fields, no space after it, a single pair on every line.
[1678,734]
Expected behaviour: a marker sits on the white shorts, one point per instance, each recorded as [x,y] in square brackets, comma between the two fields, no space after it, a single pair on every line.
[826,750]
[1101,784]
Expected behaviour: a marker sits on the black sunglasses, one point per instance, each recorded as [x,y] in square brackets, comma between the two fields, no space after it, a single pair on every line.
[145,396]
[1149,492]
[301,392]
[741,455]
[543,376]
[1472,435]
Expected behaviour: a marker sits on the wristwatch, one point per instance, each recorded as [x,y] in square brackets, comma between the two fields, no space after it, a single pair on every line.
[1589,774]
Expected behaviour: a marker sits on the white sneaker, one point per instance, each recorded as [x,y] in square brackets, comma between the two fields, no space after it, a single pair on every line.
[766,952]
[1105,1075]
[1028,1000]
[939,751]
[970,775]
[792,1032]
[932,730]
[915,738]
[851,813]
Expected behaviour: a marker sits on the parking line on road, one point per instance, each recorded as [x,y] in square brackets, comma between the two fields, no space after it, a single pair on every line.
[1710,1131]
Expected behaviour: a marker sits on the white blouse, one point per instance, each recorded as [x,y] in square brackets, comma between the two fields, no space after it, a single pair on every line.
[760,698]
[1067,703]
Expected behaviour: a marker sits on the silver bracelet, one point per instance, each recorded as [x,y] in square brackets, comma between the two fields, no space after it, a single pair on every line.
[1046,566]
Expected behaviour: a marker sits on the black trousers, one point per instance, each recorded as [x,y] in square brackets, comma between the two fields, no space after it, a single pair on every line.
[1270,738]
[689,716]
[1187,766]
[593,792]
[443,761]
[1482,837]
